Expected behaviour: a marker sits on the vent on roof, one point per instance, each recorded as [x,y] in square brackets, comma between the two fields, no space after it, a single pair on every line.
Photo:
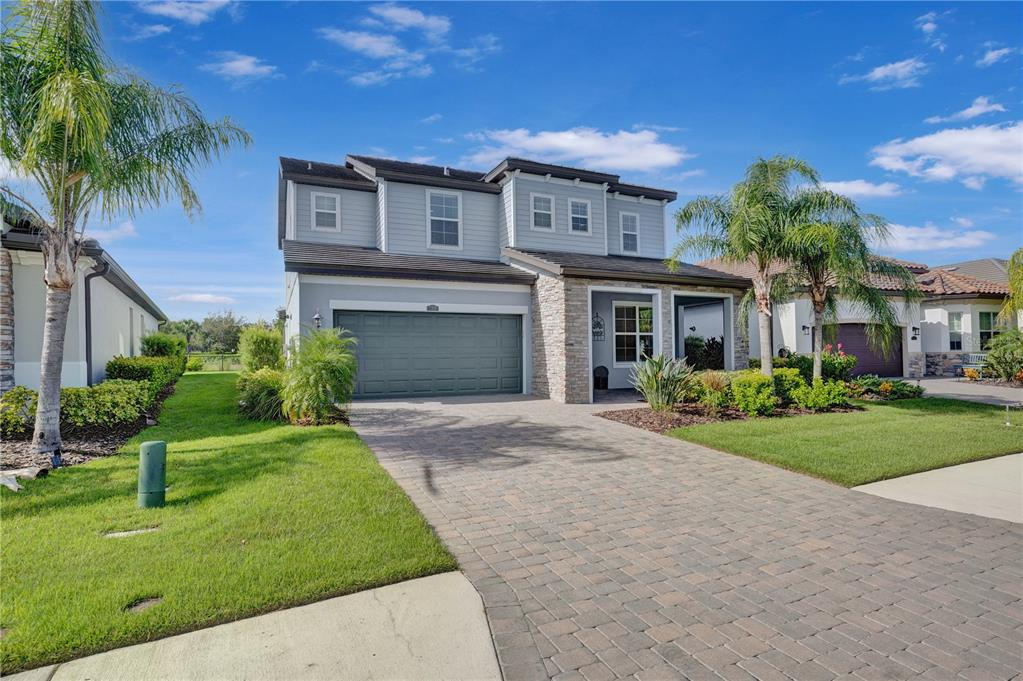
[308,165]
[447,171]
[950,269]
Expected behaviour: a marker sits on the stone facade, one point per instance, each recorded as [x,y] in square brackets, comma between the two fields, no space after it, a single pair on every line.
[915,365]
[6,321]
[944,363]
[562,325]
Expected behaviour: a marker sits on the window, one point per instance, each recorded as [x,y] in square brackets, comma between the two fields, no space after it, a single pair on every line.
[445,220]
[988,328]
[579,211]
[542,212]
[629,223]
[634,332]
[955,330]
[326,209]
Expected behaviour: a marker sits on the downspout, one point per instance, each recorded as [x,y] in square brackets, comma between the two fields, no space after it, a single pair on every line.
[98,272]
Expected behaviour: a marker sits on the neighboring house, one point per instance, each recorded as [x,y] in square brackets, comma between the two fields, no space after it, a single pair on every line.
[957,315]
[523,279]
[109,312]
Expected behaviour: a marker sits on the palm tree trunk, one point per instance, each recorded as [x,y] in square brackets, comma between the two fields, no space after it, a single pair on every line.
[6,321]
[766,351]
[818,343]
[46,437]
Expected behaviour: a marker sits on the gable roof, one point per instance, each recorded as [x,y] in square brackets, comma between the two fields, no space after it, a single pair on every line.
[992,269]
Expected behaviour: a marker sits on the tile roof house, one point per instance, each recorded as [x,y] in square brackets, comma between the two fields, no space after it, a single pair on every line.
[529,278]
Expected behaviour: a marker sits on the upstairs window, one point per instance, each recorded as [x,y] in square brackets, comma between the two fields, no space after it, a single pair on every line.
[955,330]
[634,332]
[542,206]
[629,223]
[579,211]
[445,220]
[326,212]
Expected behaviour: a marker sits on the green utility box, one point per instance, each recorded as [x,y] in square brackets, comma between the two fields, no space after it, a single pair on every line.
[152,474]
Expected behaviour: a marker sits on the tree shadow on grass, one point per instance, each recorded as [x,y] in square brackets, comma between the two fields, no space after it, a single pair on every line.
[942,406]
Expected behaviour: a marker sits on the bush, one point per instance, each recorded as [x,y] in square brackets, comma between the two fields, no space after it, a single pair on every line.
[717,392]
[17,411]
[159,372]
[194,364]
[261,347]
[321,376]
[889,389]
[822,395]
[159,344]
[260,393]
[664,381]
[109,403]
[1005,355]
[971,374]
[694,351]
[787,379]
[713,353]
[753,393]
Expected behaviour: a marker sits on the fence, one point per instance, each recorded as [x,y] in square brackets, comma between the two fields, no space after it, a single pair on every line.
[212,361]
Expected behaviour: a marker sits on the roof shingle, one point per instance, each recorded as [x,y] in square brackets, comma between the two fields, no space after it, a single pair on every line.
[622,267]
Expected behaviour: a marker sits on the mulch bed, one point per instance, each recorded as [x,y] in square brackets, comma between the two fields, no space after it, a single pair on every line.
[692,415]
[80,444]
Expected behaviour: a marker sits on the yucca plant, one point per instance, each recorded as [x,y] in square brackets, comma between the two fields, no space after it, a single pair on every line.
[320,376]
[664,381]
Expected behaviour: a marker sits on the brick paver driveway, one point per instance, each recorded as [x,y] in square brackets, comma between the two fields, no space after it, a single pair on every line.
[603,551]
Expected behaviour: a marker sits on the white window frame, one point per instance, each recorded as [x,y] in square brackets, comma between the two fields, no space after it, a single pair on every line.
[429,218]
[995,329]
[532,212]
[589,217]
[951,331]
[621,232]
[313,210]
[615,304]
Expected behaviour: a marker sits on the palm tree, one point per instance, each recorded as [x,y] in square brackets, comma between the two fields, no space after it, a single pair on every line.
[1014,302]
[749,226]
[831,258]
[93,140]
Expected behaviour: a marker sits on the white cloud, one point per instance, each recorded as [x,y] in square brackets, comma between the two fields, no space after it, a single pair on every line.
[903,238]
[240,68]
[8,173]
[655,128]
[928,25]
[479,48]
[963,222]
[432,118]
[395,17]
[210,298]
[970,155]
[192,12]
[622,150]
[893,76]
[374,45]
[980,106]
[858,189]
[147,31]
[993,56]
[122,231]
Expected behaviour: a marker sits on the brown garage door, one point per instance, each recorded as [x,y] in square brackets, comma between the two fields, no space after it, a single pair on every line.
[853,338]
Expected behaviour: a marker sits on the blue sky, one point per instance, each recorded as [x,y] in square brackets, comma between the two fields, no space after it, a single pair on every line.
[914,109]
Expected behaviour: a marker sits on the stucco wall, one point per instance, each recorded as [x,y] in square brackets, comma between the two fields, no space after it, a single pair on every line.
[935,323]
[118,326]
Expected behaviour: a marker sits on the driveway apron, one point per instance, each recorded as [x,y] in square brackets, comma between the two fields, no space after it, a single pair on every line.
[604,551]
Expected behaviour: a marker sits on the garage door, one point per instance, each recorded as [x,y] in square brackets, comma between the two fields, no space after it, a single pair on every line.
[413,354]
[853,338]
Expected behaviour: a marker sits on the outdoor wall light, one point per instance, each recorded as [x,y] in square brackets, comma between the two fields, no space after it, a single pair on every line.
[806,330]
[915,331]
[317,319]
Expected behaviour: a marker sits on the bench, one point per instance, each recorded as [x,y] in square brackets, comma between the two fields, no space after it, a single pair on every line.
[974,360]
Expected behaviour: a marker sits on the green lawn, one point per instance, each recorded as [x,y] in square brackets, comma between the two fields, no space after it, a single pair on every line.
[258,517]
[884,441]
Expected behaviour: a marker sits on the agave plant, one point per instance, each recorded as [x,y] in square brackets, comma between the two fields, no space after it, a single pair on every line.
[664,381]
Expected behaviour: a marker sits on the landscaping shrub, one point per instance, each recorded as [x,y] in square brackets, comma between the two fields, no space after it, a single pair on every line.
[17,411]
[787,379]
[161,344]
[321,376]
[194,364]
[260,394]
[753,393]
[694,351]
[261,347]
[664,381]
[971,374]
[109,403]
[717,392]
[159,372]
[885,388]
[803,363]
[1005,355]
[704,353]
[836,364]
[821,395]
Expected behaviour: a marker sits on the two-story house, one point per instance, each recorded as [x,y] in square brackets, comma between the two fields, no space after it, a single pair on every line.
[524,279]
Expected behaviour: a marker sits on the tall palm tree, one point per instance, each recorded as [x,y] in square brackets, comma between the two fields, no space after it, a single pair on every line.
[1014,302]
[831,258]
[749,226]
[93,140]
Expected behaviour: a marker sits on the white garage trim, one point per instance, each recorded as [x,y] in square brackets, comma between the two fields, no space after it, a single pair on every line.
[402,306]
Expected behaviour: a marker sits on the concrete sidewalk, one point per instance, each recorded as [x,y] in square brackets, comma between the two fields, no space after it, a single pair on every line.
[992,488]
[428,628]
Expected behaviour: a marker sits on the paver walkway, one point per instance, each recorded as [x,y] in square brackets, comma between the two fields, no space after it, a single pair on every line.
[604,551]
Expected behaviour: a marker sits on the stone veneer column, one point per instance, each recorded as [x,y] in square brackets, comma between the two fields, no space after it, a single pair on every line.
[6,321]
[548,315]
[916,365]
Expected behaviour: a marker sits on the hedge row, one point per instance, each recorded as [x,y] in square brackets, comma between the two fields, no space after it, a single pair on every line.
[107,404]
[158,372]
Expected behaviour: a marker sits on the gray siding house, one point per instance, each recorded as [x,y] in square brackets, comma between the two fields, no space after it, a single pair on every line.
[524,279]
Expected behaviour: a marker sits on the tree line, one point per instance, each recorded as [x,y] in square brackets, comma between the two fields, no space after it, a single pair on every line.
[218,332]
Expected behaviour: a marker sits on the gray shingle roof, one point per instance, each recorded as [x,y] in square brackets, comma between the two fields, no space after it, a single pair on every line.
[310,171]
[315,258]
[622,267]
[992,269]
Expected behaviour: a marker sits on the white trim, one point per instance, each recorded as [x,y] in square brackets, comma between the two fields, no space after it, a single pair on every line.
[382,184]
[532,212]
[411,283]
[621,233]
[589,217]
[429,230]
[313,210]
[618,196]
[590,290]
[404,306]
[637,333]
[729,328]
[557,180]
[607,236]
[512,236]
[289,215]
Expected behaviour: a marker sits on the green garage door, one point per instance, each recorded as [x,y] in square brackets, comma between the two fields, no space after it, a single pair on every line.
[413,354]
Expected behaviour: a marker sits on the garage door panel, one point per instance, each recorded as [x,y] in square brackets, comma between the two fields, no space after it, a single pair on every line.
[422,353]
[853,338]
